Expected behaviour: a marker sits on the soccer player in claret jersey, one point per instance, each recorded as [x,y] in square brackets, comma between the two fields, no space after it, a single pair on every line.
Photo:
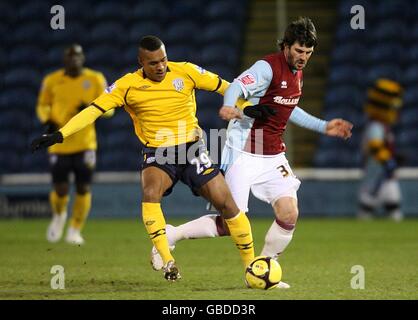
[160,98]
[63,94]
[254,155]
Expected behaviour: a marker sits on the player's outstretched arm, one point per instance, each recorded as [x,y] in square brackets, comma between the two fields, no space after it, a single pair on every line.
[76,123]
[339,128]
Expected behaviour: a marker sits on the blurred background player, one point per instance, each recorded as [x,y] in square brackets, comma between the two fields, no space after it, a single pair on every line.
[160,98]
[63,94]
[254,154]
[380,187]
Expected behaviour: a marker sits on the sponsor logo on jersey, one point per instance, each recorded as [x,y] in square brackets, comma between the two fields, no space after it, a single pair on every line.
[200,69]
[207,171]
[247,79]
[86,84]
[144,87]
[178,84]
[110,88]
[284,85]
[286,101]
[150,160]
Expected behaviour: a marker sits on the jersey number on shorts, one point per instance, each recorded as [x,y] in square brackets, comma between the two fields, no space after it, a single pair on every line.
[283,171]
[202,162]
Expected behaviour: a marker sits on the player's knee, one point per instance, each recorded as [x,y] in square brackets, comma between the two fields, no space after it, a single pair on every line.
[61,189]
[82,189]
[151,194]
[288,215]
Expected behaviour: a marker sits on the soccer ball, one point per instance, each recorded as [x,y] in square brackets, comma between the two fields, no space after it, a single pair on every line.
[263,273]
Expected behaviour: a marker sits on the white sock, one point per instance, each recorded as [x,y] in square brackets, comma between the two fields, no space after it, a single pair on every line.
[203,227]
[276,240]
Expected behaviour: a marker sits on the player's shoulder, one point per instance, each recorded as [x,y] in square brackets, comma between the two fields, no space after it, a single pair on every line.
[185,67]
[130,78]
[54,75]
[92,73]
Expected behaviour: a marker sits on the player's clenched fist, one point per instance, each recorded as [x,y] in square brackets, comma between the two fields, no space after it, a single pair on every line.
[339,128]
[46,140]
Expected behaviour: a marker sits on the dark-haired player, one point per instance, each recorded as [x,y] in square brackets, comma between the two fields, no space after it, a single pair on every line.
[254,155]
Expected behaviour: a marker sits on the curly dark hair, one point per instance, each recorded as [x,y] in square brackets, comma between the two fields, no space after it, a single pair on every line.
[301,30]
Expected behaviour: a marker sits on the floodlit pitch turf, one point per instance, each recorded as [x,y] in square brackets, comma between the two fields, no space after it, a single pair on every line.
[114,263]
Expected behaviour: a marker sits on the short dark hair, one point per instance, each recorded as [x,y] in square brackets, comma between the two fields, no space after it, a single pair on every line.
[301,30]
[150,43]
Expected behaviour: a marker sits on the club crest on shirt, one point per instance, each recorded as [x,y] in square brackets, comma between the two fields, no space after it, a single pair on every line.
[110,88]
[86,84]
[284,85]
[178,84]
[247,79]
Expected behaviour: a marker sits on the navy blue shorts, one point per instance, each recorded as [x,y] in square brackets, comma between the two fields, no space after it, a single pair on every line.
[189,163]
[82,164]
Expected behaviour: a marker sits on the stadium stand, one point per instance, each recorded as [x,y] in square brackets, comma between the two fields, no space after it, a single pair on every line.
[387,49]
[196,30]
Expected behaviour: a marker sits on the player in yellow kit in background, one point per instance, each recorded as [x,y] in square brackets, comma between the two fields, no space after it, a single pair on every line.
[160,98]
[63,94]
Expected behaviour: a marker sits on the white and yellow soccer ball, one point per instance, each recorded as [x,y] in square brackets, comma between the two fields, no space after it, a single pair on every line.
[263,273]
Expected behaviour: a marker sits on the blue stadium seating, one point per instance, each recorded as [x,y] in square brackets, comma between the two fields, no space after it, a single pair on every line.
[345,73]
[110,10]
[140,29]
[385,53]
[180,33]
[22,77]
[105,32]
[19,55]
[392,8]
[109,32]
[387,49]
[179,53]
[103,55]
[149,10]
[411,55]
[410,97]
[74,32]
[350,52]
[32,32]
[224,11]
[388,30]
[221,33]
[219,54]
[34,10]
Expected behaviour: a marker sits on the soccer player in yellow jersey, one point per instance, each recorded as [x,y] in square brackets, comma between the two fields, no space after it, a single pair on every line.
[160,98]
[63,94]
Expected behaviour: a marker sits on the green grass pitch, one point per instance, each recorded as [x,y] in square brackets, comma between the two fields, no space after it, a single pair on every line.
[114,263]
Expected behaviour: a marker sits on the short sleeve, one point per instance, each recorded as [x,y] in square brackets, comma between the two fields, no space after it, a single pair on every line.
[113,96]
[256,80]
[202,78]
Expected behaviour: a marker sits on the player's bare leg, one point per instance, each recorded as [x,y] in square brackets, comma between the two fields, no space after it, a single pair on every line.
[217,192]
[58,199]
[154,183]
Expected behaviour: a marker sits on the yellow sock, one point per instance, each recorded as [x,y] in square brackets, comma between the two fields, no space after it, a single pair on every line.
[154,222]
[240,229]
[58,204]
[81,209]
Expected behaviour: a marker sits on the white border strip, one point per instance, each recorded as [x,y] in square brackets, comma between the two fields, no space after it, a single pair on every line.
[134,177]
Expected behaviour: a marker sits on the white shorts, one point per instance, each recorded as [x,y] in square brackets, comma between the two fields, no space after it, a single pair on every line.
[268,177]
